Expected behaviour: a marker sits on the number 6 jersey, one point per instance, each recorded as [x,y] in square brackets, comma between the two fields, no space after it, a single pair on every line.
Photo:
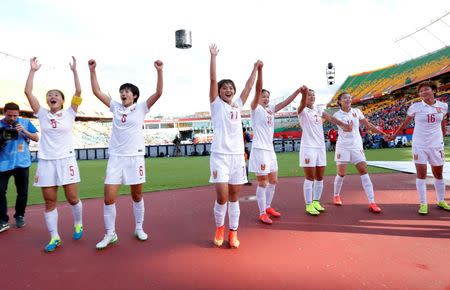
[427,128]
[227,125]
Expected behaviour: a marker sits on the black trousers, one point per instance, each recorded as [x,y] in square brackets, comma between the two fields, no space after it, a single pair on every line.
[21,181]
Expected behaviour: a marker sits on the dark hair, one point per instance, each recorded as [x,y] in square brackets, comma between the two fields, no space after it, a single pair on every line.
[430,84]
[11,106]
[340,97]
[264,90]
[134,90]
[225,81]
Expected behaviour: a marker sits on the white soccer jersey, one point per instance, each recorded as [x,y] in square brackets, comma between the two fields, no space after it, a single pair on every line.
[226,122]
[127,138]
[263,125]
[312,128]
[427,129]
[349,140]
[56,140]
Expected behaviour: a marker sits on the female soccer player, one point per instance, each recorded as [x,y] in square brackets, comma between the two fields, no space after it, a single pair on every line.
[312,155]
[227,162]
[349,149]
[126,164]
[263,160]
[428,142]
[57,164]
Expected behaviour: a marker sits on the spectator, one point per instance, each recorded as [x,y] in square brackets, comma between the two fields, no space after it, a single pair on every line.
[15,160]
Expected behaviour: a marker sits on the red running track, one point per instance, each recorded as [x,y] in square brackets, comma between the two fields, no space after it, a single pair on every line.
[345,248]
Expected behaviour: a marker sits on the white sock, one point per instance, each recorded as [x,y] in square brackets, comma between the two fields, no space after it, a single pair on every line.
[77,213]
[233,214]
[368,187]
[338,181]
[220,210]
[139,211]
[261,198]
[51,219]
[439,186]
[307,190]
[317,189]
[422,190]
[109,215]
[270,192]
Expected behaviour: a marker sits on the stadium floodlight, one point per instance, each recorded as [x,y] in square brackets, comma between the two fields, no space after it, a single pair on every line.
[183,39]
[330,71]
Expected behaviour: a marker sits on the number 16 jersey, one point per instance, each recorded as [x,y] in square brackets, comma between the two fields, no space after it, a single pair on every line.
[427,128]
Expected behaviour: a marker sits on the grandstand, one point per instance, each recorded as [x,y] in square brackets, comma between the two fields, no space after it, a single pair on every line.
[385,81]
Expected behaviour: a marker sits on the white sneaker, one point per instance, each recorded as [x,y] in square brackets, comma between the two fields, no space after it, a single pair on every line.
[140,235]
[107,240]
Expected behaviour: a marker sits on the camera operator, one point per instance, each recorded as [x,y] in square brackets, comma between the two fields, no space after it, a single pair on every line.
[15,160]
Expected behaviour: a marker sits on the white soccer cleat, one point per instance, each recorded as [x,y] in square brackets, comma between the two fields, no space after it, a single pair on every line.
[140,235]
[107,240]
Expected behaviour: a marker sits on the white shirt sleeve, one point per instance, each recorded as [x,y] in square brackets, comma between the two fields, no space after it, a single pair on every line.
[360,114]
[411,110]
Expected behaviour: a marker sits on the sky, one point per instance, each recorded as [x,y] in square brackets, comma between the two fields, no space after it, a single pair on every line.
[295,40]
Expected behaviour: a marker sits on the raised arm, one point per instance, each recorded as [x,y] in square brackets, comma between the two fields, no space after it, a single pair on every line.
[34,103]
[287,101]
[304,90]
[249,83]
[259,86]
[105,99]
[159,84]
[76,100]
[213,88]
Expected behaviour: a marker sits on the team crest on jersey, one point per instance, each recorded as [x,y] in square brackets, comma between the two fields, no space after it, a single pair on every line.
[263,166]
[269,111]
[215,174]
[338,156]
[416,156]
[306,160]
[354,115]
[439,110]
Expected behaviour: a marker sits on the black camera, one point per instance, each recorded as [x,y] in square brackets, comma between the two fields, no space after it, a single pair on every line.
[7,134]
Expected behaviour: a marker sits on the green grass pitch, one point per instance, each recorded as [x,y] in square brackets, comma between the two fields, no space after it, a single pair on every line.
[185,172]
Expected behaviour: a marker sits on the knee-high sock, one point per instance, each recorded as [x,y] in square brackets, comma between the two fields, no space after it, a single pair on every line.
[317,189]
[338,181]
[109,215]
[261,198]
[51,219]
[439,186]
[220,210]
[77,213]
[270,192]
[422,190]
[233,214]
[368,187]
[139,211]
[307,190]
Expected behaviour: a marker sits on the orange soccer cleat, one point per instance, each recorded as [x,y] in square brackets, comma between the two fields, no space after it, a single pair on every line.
[264,218]
[219,236]
[233,240]
[337,200]
[373,207]
[272,212]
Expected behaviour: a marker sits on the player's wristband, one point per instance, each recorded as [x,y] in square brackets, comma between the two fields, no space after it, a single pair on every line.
[76,100]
